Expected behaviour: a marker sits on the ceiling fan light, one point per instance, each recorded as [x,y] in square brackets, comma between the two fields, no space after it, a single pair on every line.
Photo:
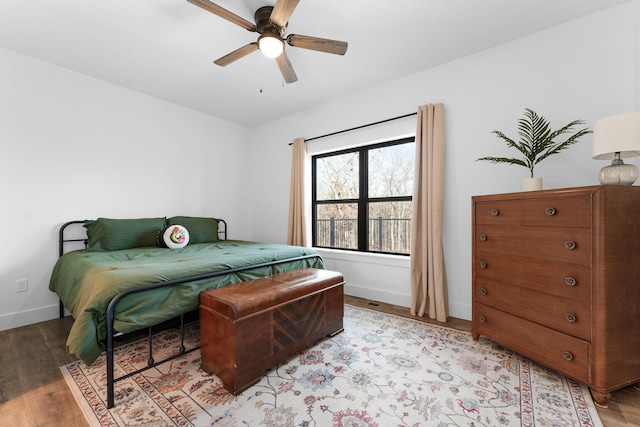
[270,45]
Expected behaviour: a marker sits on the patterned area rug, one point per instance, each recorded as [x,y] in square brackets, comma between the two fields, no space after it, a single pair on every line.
[383,370]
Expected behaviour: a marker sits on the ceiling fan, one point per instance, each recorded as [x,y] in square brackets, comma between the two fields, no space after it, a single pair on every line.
[271,24]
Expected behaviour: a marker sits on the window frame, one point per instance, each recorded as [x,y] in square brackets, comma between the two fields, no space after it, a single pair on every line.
[363,199]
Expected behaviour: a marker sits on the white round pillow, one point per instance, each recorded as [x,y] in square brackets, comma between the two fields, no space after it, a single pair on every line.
[175,236]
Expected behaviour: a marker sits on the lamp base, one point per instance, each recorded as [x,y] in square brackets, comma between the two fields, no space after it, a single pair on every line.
[618,173]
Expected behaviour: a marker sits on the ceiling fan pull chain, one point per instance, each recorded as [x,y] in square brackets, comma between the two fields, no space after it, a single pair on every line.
[260,73]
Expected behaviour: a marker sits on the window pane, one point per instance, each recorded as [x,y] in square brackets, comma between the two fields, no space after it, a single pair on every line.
[337,225]
[389,227]
[337,177]
[391,170]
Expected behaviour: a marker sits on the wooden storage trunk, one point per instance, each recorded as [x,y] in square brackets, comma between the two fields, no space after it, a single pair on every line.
[248,328]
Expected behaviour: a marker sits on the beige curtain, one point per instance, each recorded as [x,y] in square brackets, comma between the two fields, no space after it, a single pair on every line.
[296,233]
[428,276]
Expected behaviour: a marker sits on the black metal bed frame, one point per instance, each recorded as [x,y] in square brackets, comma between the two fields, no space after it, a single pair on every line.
[111,333]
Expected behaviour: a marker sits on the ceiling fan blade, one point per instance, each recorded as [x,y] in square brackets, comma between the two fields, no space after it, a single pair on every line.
[282,11]
[224,13]
[236,54]
[316,43]
[288,74]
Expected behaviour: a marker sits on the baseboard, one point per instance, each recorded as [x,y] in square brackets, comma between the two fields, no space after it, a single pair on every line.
[24,318]
[459,311]
[388,297]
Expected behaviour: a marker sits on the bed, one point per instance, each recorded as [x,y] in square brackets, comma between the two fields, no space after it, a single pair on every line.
[126,278]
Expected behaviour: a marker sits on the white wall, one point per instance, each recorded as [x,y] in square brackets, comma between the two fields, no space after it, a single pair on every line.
[580,70]
[74,147]
[636,69]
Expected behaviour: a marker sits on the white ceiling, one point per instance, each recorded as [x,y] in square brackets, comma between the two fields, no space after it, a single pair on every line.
[166,48]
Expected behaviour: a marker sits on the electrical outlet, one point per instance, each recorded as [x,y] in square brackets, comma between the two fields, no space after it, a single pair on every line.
[22,285]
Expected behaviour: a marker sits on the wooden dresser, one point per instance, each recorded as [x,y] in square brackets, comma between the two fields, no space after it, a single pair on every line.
[556,278]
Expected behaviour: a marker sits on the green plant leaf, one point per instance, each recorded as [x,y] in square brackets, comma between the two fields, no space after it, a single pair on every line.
[504,160]
[537,140]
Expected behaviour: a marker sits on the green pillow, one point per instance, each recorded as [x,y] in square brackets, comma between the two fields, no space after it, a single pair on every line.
[201,230]
[106,234]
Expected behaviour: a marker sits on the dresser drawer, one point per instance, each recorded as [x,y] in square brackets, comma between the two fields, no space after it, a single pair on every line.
[568,280]
[551,243]
[563,314]
[498,212]
[574,211]
[559,351]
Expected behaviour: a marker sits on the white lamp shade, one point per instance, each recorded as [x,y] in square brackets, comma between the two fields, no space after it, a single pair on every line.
[270,45]
[617,134]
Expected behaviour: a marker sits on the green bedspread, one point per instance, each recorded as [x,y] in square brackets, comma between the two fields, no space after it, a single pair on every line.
[87,281]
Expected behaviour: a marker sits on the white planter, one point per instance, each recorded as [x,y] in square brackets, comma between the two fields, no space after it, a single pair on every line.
[532,184]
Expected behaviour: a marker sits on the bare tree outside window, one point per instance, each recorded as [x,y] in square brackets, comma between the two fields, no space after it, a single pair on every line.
[362,197]
[338,177]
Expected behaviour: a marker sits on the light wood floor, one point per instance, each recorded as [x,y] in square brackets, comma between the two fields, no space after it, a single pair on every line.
[34,393]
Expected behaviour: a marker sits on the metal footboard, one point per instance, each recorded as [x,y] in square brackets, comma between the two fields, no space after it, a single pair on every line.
[114,302]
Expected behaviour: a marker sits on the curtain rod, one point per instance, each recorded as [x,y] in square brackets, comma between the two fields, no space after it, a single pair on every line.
[359,127]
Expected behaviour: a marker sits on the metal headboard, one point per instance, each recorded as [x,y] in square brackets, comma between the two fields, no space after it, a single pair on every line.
[62,239]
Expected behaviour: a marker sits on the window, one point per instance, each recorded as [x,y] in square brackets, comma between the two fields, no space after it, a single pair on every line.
[361,197]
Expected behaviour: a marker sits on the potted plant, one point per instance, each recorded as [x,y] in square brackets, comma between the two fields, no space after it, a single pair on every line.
[537,142]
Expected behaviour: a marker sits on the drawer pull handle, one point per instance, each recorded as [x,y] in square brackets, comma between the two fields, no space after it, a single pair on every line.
[569,244]
[570,318]
[483,264]
[550,211]
[567,356]
[570,281]
[483,291]
[483,237]
[482,319]
[495,212]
